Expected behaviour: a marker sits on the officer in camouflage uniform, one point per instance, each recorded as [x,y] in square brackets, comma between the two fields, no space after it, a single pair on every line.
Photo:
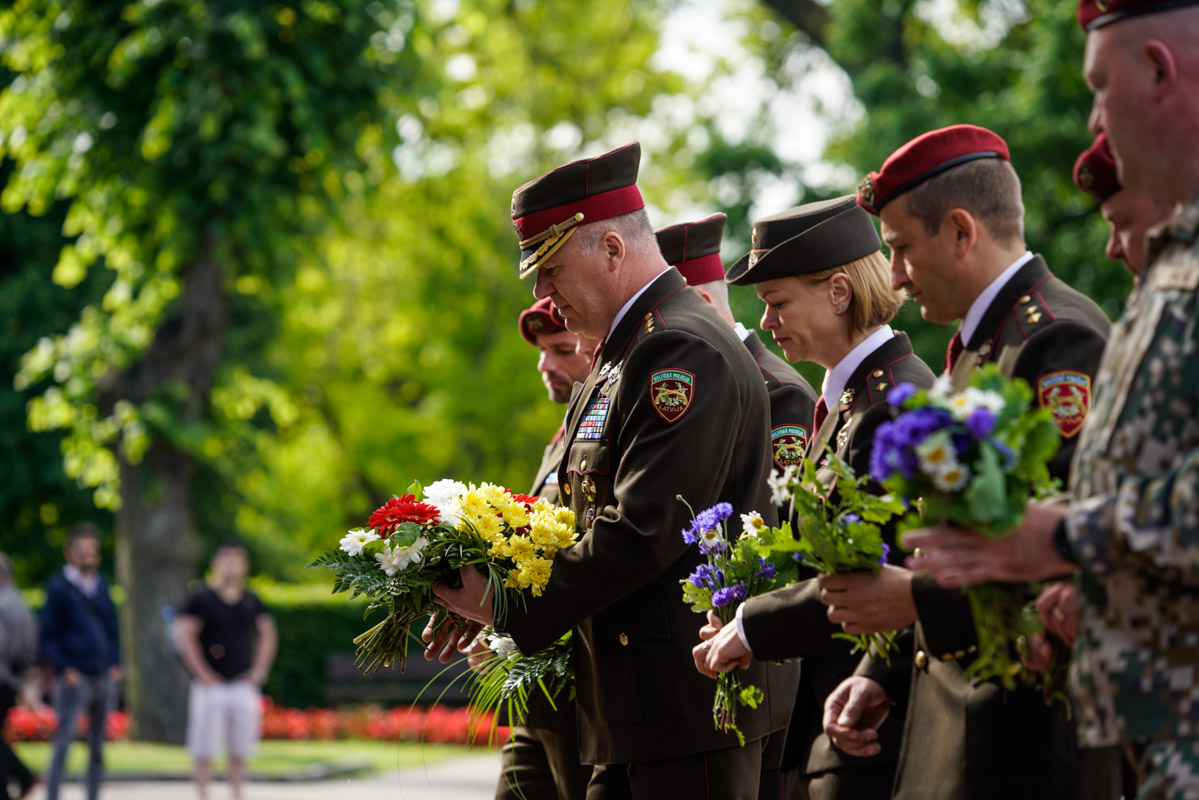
[1131,530]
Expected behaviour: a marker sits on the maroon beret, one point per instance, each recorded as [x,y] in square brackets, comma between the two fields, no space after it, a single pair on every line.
[1094,14]
[927,156]
[540,319]
[546,210]
[1095,170]
[693,248]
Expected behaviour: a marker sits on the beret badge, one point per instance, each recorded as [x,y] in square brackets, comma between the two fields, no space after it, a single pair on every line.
[866,191]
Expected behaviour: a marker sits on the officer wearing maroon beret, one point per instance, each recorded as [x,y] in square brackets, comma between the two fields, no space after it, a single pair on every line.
[1129,213]
[952,215]
[693,248]
[541,757]
[673,405]
[828,299]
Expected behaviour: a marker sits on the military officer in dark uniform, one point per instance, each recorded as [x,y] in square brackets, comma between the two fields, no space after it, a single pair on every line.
[951,213]
[1130,213]
[828,299]
[673,405]
[541,757]
[693,248]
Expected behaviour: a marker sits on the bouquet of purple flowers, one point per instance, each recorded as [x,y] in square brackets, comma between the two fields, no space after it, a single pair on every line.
[733,571]
[973,459]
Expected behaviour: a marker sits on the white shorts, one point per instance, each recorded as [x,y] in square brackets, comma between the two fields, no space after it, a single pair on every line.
[223,717]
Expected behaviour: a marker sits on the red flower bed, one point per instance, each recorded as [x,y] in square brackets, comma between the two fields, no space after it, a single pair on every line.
[403,724]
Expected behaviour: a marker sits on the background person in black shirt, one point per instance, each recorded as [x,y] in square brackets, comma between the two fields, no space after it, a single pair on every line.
[227,640]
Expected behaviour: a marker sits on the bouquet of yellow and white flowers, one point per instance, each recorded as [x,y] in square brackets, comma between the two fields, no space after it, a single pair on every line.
[426,535]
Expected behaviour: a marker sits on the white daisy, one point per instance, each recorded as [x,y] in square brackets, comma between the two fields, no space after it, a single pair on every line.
[353,542]
[502,646]
[952,478]
[778,482]
[752,524]
[710,538]
[936,453]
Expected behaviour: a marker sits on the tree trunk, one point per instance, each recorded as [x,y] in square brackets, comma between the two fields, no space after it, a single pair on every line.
[158,550]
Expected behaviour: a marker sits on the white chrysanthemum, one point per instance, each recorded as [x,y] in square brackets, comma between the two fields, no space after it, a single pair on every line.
[353,542]
[502,646]
[397,558]
[966,402]
[778,482]
[952,478]
[447,495]
[752,524]
[936,453]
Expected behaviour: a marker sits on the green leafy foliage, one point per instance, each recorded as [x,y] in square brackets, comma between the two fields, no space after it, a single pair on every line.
[974,460]
[507,678]
[840,519]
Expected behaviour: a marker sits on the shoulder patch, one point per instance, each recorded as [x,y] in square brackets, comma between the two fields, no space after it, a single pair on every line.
[1066,393]
[671,392]
[788,443]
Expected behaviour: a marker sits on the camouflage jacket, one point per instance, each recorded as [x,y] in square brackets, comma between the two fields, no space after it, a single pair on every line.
[1134,526]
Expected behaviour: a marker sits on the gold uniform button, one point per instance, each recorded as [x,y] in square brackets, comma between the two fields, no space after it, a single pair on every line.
[960,654]
[1026,298]
[624,639]
[566,489]
[947,657]
[921,659]
[878,373]
[583,463]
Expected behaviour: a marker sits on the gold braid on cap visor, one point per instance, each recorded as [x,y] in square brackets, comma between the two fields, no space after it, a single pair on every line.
[553,238]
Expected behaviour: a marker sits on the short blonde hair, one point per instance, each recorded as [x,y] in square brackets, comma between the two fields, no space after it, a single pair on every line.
[874,302]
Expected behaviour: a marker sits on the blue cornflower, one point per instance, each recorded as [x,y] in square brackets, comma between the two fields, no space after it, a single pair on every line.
[882,560]
[706,576]
[767,570]
[900,394]
[729,594]
[980,423]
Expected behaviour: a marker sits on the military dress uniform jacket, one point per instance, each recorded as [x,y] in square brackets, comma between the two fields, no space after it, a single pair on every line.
[674,405]
[1134,525]
[968,740]
[793,623]
[792,405]
[540,713]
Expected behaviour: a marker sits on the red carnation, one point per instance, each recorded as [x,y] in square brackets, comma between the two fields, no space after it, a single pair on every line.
[398,510]
[526,500]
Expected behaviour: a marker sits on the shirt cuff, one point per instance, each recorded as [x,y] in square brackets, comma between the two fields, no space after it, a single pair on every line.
[741,628]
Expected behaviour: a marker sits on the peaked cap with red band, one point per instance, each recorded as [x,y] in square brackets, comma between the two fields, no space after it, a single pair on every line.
[540,319]
[693,248]
[806,239]
[1095,170]
[1094,14]
[547,210]
[927,156]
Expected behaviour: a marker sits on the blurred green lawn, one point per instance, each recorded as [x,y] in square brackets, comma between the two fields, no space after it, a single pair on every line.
[275,758]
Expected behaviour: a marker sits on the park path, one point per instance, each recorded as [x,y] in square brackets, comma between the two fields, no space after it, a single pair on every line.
[468,778]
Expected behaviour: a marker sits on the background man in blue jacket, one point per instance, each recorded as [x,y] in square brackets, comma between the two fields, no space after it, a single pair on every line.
[78,635]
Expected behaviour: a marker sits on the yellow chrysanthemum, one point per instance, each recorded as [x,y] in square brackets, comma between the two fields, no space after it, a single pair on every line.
[515,515]
[520,548]
[489,527]
[565,516]
[534,575]
[499,549]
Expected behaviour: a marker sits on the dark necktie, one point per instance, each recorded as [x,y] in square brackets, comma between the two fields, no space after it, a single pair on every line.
[953,351]
[821,413]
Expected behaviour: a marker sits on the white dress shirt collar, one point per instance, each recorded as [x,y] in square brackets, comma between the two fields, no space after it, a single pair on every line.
[741,331]
[836,378]
[625,308]
[88,584]
[978,308]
